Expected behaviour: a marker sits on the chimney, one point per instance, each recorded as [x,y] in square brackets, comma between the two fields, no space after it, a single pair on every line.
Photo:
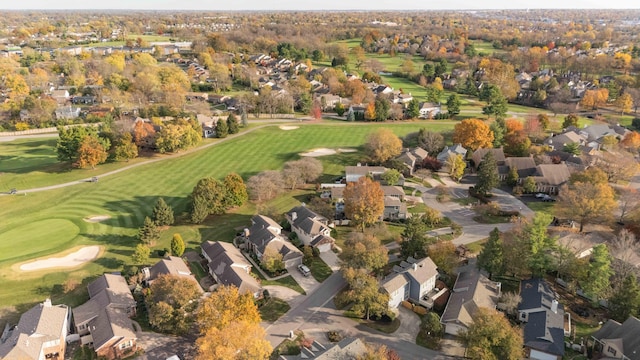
[415,266]
[554,306]
[294,216]
[47,303]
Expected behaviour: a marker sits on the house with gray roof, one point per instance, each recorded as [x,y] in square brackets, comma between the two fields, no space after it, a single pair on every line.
[525,166]
[353,173]
[550,177]
[394,209]
[312,229]
[479,154]
[40,334]
[412,158]
[348,348]
[413,280]
[472,290]
[171,265]
[229,267]
[265,234]
[104,321]
[618,341]
[544,317]
[456,149]
[559,141]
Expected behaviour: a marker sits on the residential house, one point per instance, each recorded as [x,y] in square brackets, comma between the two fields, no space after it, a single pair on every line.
[393,191]
[330,101]
[413,280]
[573,162]
[471,291]
[171,265]
[229,267]
[104,321]
[312,229]
[67,112]
[40,334]
[618,341]
[544,319]
[595,133]
[456,149]
[580,244]
[525,167]
[208,125]
[84,100]
[479,154]
[196,96]
[550,177]
[265,234]
[347,348]
[394,209]
[412,158]
[559,141]
[353,173]
[429,110]
[60,96]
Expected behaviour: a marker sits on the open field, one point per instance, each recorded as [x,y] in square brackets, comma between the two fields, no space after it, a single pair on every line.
[50,222]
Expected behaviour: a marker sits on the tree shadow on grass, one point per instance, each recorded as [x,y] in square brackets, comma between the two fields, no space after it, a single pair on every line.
[132,212]
[113,239]
[110,263]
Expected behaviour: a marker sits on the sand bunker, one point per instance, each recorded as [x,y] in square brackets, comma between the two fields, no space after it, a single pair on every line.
[288,127]
[319,152]
[97,218]
[325,151]
[74,259]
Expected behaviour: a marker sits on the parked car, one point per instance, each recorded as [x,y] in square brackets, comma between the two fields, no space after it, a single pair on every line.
[548,198]
[304,269]
[540,195]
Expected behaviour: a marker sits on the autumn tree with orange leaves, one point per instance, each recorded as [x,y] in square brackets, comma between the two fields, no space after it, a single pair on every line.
[91,152]
[363,202]
[595,99]
[144,134]
[473,134]
[382,145]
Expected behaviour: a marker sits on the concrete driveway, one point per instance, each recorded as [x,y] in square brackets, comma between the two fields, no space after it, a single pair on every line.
[291,296]
[159,346]
[308,283]
[409,325]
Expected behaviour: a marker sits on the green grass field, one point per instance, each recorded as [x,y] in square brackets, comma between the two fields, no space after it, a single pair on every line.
[50,222]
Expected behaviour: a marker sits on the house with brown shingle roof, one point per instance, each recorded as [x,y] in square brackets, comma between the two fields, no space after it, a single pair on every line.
[171,265]
[412,158]
[472,290]
[229,267]
[618,341]
[40,334]
[479,154]
[525,166]
[550,177]
[312,229]
[264,234]
[104,321]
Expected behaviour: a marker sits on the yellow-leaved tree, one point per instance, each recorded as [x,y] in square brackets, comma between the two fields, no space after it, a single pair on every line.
[363,202]
[382,145]
[473,134]
[229,324]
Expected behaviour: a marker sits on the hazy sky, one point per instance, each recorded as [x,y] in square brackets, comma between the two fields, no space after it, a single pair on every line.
[313,5]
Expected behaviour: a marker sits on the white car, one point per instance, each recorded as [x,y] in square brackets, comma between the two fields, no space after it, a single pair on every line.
[304,269]
[541,195]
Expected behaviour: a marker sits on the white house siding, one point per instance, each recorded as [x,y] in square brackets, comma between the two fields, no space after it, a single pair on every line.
[427,286]
[538,355]
[453,329]
[302,236]
[396,298]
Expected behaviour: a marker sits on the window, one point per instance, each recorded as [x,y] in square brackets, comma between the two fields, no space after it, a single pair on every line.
[126,344]
[611,350]
[523,315]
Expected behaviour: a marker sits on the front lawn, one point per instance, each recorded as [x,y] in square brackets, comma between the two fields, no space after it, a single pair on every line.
[197,270]
[417,208]
[541,206]
[287,281]
[272,309]
[492,219]
[319,269]
[476,246]
[388,327]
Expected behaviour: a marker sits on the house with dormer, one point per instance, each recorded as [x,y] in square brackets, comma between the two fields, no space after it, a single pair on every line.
[545,322]
[229,267]
[412,158]
[265,234]
[312,229]
[413,280]
[617,340]
[171,265]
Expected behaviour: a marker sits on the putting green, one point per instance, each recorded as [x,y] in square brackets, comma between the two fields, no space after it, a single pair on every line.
[36,239]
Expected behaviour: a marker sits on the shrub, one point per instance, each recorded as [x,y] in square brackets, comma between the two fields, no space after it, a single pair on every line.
[20,126]
[420,310]
[407,305]
[334,336]
[431,163]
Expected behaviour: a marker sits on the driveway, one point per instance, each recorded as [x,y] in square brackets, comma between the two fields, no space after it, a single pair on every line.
[308,283]
[331,259]
[409,325]
[291,296]
[159,346]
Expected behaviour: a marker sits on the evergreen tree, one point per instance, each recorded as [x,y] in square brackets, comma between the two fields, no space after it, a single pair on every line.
[499,129]
[513,177]
[162,213]
[149,232]
[351,116]
[244,118]
[413,109]
[599,272]
[222,130]
[199,209]
[541,245]
[490,258]
[177,245]
[232,124]
[487,174]
[626,301]
[141,254]
[453,105]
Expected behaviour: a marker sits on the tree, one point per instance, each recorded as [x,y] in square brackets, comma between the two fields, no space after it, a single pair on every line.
[529,185]
[177,245]
[629,202]
[591,175]
[232,124]
[144,134]
[413,109]
[499,129]
[162,213]
[172,301]
[599,273]
[364,251]
[443,254]
[363,202]
[199,210]
[141,254]
[266,185]
[69,140]
[390,177]
[434,92]
[453,105]
[148,233]
[125,149]
[364,292]
[381,107]
[235,191]
[210,192]
[572,148]
[541,245]
[624,103]
[222,130]
[512,176]
[490,257]
[570,120]
[473,134]
[631,141]
[510,300]
[487,174]
[305,170]
[618,165]
[272,260]
[595,98]
[431,141]
[585,202]
[91,152]
[492,337]
[456,166]
[626,301]
[339,109]
[370,111]
[382,145]
[544,121]
[229,325]
[415,242]
[496,103]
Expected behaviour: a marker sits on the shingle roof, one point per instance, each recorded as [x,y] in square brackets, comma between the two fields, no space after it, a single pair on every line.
[110,323]
[40,324]
[552,174]
[393,191]
[395,282]
[535,293]
[262,231]
[364,170]
[627,332]
[172,265]
[544,331]
[471,291]
[228,264]
[526,165]
[114,282]
[479,154]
